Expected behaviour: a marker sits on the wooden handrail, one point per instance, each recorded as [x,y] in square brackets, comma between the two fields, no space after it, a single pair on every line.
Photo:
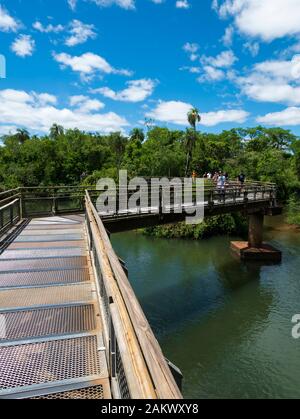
[145,355]
[9,204]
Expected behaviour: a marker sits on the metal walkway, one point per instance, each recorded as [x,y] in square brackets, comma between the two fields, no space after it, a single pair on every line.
[51,341]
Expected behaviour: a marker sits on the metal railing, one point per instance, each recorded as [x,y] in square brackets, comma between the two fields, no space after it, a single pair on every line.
[137,365]
[175,200]
[10,213]
[58,200]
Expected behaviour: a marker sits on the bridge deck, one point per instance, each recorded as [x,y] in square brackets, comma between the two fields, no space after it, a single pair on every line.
[51,342]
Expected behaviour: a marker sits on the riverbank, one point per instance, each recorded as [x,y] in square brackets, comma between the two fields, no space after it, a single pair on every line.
[229,224]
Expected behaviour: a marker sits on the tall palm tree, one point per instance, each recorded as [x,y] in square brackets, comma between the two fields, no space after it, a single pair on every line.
[22,135]
[193,118]
[55,131]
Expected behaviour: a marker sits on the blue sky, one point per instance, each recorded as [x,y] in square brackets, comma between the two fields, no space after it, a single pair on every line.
[103,65]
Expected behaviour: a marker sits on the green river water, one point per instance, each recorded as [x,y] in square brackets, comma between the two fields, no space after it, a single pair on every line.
[225,324]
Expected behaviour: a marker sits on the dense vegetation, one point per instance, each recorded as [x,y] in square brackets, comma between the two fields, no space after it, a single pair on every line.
[70,157]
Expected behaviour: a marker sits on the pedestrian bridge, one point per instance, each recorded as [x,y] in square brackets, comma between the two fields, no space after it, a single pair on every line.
[70,323]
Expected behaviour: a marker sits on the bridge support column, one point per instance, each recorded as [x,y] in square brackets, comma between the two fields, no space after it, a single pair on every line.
[255,249]
[256,230]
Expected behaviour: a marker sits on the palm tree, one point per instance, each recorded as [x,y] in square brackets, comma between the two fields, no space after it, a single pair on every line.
[55,131]
[22,135]
[193,118]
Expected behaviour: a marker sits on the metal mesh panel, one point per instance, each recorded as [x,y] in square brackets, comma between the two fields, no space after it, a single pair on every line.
[46,362]
[20,279]
[45,245]
[49,238]
[38,206]
[31,297]
[49,227]
[122,381]
[57,231]
[90,393]
[42,264]
[46,322]
[41,253]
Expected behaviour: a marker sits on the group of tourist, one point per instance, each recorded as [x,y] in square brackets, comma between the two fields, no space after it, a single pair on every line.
[221,181]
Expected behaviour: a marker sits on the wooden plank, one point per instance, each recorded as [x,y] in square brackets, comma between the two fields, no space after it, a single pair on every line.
[138,378]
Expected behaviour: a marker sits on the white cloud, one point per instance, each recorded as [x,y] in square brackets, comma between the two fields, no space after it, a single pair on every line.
[228,36]
[72,4]
[47,29]
[137,91]
[29,112]
[267,19]
[234,115]
[274,81]
[182,4]
[23,46]
[192,49]
[213,67]
[125,4]
[252,47]
[85,105]
[287,117]
[175,112]
[80,33]
[88,65]
[211,74]
[223,60]
[7,22]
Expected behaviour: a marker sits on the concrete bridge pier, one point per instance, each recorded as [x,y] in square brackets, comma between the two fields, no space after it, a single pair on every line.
[255,248]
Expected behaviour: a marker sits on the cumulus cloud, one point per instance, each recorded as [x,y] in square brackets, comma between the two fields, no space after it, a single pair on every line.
[182,4]
[23,46]
[276,81]
[137,91]
[36,112]
[287,117]
[48,28]
[80,33]
[267,19]
[88,65]
[175,112]
[125,4]
[7,22]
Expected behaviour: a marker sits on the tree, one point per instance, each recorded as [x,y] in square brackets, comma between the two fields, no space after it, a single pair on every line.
[55,131]
[193,118]
[118,145]
[137,134]
[22,135]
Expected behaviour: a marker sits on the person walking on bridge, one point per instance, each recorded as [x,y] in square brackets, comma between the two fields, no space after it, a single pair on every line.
[221,186]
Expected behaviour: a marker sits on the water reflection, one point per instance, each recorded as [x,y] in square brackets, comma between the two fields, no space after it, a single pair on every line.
[226,324]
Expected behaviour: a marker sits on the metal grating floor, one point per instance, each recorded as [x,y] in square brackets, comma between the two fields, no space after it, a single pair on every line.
[48,321]
[90,393]
[48,238]
[52,334]
[50,361]
[35,297]
[33,227]
[52,245]
[43,264]
[51,232]
[41,253]
[33,279]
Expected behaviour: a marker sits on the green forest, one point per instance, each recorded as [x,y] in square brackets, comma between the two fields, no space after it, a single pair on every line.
[73,157]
